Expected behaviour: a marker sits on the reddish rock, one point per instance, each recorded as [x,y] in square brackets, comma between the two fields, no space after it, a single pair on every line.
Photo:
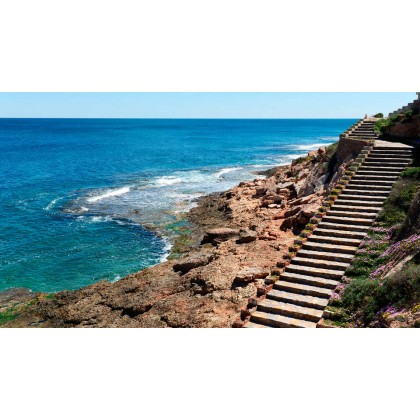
[209,285]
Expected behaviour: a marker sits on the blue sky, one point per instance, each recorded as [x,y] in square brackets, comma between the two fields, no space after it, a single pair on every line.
[199,105]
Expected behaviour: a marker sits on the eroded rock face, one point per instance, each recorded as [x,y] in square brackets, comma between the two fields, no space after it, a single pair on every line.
[238,242]
[409,129]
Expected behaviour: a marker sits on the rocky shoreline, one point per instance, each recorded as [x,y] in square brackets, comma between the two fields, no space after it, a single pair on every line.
[237,238]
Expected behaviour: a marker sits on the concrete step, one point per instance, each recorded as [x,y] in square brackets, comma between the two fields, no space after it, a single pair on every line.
[309,280]
[407,155]
[342,226]
[318,263]
[358,221]
[362,136]
[379,166]
[339,233]
[320,246]
[353,209]
[324,273]
[305,289]
[250,324]
[330,256]
[395,164]
[288,309]
[348,214]
[333,240]
[369,183]
[279,321]
[371,176]
[363,132]
[367,170]
[357,203]
[298,299]
[394,150]
[363,192]
[388,159]
[368,187]
[389,171]
[364,197]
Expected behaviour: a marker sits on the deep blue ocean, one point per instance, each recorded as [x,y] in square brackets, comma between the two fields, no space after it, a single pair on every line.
[89,199]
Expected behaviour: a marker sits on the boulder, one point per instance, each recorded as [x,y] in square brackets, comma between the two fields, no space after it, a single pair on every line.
[260,191]
[292,211]
[219,235]
[246,236]
[286,185]
[266,203]
[249,274]
[193,261]
[275,198]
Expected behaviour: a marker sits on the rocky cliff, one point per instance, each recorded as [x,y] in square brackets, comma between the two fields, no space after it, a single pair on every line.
[239,237]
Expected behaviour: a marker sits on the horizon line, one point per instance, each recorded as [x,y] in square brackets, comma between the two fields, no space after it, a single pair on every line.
[177,118]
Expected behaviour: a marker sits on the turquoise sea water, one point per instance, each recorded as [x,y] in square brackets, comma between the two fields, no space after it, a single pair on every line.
[80,199]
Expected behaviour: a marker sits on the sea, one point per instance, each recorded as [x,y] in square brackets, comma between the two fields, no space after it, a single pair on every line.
[88,199]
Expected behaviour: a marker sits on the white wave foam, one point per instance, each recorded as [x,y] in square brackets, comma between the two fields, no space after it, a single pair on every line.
[226,171]
[52,204]
[164,181]
[109,193]
[115,279]
[94,219]
[312,146]
[285,159]
[261,165]
[166,250]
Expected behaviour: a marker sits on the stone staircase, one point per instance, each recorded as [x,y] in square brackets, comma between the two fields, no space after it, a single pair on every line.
[415,105]
[363,130]
[300,295]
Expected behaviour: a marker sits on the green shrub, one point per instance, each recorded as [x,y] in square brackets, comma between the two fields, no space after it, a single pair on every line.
[387,122]
[380,124]
[402,288]
[7,315]
[378,115]
[359,296]
[408,114]
[396,206]
[368,297]
[303,159]
[411,173]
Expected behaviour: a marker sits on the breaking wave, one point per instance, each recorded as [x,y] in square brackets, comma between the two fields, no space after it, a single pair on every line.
[109,193]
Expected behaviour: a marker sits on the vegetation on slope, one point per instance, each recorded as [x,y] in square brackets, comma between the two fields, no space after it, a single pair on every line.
[382,125]
[384,277]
